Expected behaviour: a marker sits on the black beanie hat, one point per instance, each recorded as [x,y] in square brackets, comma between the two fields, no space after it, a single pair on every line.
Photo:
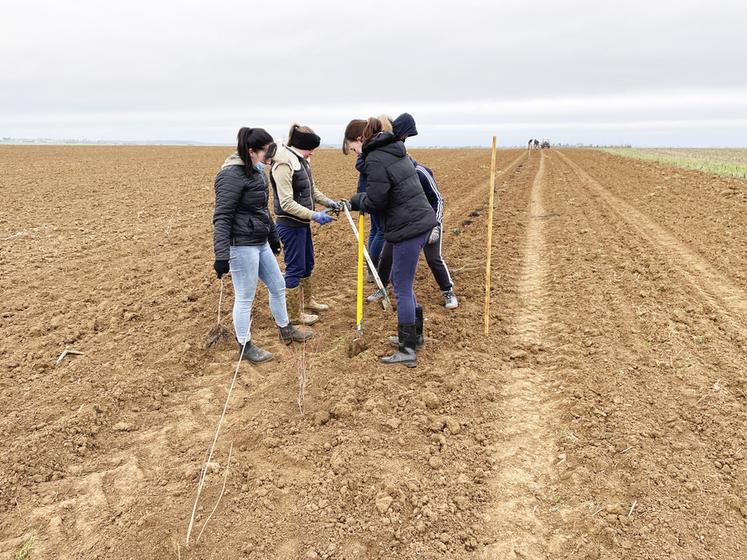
[404,126]
[304,140]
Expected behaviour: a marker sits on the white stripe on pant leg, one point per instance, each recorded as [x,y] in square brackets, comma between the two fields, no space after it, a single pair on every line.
[440,254]
[441,257]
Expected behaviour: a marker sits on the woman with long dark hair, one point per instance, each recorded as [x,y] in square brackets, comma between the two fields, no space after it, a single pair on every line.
[246,241]
[394,193]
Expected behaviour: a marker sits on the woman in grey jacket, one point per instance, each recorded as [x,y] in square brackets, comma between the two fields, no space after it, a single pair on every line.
[246,241]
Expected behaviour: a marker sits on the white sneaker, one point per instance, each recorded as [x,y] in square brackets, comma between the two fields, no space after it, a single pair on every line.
[450,300]
[378,295]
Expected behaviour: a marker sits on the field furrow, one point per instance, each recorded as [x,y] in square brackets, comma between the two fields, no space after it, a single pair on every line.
[604,417]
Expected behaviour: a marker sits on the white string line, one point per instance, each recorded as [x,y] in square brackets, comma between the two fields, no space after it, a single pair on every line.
[203,474]
[223,490]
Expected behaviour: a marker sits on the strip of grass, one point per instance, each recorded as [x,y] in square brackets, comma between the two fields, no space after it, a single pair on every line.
[709,165]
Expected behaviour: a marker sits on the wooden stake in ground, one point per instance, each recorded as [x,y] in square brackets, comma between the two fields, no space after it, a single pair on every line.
[490,240]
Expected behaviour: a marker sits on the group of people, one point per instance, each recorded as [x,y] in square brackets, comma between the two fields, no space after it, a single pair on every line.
[398,193]
[535,144]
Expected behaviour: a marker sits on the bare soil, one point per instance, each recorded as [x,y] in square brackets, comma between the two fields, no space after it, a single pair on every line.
[604,417]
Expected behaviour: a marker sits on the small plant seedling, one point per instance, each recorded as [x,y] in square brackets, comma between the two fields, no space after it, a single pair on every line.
[25,551]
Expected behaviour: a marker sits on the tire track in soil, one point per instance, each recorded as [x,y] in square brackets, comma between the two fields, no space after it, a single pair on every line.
[526,449]
[648,430]
[717,289]
[707,213]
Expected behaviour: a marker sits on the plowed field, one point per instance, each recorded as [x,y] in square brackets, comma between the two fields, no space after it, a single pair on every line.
[604,417]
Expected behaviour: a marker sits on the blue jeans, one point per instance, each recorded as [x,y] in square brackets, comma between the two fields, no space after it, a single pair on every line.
[248,264]
[405,255]
[375,239]
[298,252]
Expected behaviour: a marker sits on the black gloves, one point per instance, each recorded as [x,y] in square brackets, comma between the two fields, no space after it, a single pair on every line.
[221,267]
[275,245]
[355,201]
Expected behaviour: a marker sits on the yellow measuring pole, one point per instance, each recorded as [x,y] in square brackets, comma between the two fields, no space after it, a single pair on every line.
[359,308]
[490,240]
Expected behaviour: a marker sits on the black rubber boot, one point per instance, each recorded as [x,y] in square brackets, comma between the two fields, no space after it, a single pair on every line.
[254,354]
[290,333]
[406,353]
[394,340]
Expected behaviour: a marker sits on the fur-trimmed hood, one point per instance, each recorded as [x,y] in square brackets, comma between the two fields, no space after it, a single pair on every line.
[233,159]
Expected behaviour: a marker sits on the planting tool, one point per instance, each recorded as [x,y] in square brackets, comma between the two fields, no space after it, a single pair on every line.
[386,303]
[218,332]
[358,344]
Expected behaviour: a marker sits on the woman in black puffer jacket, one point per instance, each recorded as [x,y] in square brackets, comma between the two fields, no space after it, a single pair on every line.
[394,193]
[246,242]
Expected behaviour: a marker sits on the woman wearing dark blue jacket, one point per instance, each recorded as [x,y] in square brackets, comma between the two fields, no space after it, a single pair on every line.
[394,193]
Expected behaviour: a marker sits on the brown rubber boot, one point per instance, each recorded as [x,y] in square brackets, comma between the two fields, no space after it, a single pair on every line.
[293,301]
[307,286]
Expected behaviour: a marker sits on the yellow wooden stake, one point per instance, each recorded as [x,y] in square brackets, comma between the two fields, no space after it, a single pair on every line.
[490,240]
[359,308]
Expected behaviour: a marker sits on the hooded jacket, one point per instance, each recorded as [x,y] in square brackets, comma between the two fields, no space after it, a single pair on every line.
[241,215]
[404,126]
[393,190]
[430,189]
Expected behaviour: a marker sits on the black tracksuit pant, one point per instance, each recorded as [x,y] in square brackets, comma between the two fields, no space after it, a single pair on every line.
[432,257]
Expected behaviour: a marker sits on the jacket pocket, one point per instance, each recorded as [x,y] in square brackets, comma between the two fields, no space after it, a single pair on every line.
[258,228]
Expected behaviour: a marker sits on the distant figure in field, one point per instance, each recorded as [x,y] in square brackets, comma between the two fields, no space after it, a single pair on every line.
[545,144]
[536,144]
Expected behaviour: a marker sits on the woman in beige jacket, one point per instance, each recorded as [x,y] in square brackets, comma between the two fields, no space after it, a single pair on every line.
[295,197]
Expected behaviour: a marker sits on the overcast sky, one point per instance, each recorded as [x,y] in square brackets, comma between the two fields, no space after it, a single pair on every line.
[641,72]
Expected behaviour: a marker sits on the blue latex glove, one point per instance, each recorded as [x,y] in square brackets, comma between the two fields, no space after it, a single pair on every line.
[322,217]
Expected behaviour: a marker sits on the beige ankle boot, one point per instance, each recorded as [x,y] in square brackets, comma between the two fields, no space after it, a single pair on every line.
[307,286]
